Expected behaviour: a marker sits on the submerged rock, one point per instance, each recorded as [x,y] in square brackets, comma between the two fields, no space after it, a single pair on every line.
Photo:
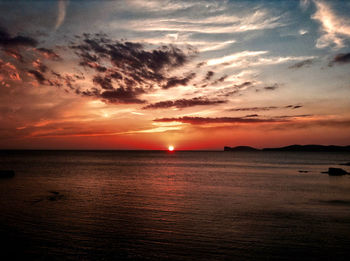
[5,174]
[336,172]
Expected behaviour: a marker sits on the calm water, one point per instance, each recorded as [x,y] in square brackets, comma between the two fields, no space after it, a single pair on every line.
[174,206]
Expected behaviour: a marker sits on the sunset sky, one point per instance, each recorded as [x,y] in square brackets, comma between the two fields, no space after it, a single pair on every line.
[193,74]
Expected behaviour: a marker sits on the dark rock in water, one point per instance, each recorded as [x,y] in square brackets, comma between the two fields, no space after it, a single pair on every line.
[303,171]
[5,174]
[336,172]
[345,164]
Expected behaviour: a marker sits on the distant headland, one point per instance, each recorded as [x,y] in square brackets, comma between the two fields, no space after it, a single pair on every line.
[301,148]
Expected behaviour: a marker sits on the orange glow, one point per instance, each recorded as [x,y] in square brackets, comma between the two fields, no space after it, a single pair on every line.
[171,148]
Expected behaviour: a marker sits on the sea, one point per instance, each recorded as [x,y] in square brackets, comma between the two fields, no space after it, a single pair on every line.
[182,205]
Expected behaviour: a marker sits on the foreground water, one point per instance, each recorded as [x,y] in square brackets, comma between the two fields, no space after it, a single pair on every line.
[107,205]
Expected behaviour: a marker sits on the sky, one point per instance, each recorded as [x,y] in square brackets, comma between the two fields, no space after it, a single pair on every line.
[198,75]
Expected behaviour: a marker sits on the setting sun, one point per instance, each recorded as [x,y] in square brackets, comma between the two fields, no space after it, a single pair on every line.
[171,148]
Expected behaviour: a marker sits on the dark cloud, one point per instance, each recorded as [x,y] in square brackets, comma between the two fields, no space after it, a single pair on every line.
[341,58]
[49,54]
[125,70]
[209,75]
[93,65]
[14,54]
[293,106]
[38,76]
[67,80]
[294,116]
[38,65]
[271,88]
[305,63]
[242,85]
[104,82]
[231,120]
[116,75]
[199,65]
[267,108]
[7,41]
[122,95]
[129,69]
[132,59]
[254,108]
[175,81]
[8,73]
[235,89]
[221,79]
[183,103]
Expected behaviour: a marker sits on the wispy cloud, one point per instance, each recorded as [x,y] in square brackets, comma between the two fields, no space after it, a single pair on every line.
[234,57]
[341,58]
[305,63]
[62,6]
[266,108]
[334,28]
[184,103]
[254,58]
[230,120]
[215,23]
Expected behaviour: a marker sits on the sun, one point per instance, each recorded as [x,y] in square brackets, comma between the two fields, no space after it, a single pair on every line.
[171,148]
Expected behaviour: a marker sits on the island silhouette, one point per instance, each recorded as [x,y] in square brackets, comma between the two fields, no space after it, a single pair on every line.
[294,148]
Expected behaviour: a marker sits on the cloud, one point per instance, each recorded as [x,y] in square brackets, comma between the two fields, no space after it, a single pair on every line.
[122,95]
[184,103]
[8,72]
[267,108]
[253,58]
[305,63]
[104,82]
[293,106]
[216,46]
[303,31]
[334,28]
[216,22]
[271,88]
[209,75]
[341,58]
[230,120]
[176,81]
[126,70]
[37,64]
[234,57]
[235,89]
[7,41]
[132,61]
[62,6]
[14,54]
[48,53]
[304,4]
[38,76]
[243,85]
[154,130]
[219,80]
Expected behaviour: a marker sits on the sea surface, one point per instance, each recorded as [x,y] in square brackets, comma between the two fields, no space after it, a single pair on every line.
[156,205]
